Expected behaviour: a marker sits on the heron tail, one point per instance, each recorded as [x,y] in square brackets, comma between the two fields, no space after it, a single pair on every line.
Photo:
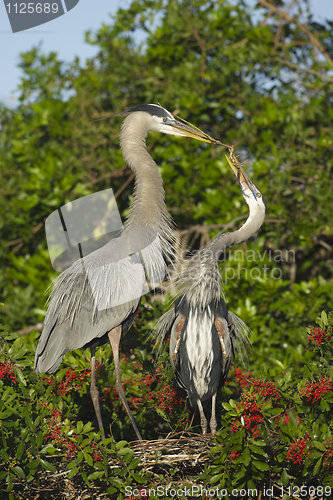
[240,334]
[162,329]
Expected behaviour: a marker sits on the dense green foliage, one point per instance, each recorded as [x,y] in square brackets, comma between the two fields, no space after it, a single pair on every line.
[275,434]
[258,82]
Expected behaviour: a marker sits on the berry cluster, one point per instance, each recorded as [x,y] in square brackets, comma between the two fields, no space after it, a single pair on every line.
[251,415]
[320,336]
[156,392]
[299,450]
[164,397]
[59,439]
[55,433]
[72,381]
[265,389]
[328,455]
[241,378]
[7,372]
[314,392]
[234,455]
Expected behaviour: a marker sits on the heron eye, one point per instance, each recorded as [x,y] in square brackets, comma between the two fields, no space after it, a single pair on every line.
[165,120]
[258,195]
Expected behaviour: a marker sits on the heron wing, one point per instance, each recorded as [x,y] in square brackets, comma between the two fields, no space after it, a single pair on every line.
[96,294]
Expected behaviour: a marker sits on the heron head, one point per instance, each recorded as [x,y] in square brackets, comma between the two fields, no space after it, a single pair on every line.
[158,119]
[248,188]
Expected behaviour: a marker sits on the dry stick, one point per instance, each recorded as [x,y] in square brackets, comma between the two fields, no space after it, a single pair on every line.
[328,79]
[20,240]
[312,94]
[314,41]
[124,186]
[38,327]
[115,173]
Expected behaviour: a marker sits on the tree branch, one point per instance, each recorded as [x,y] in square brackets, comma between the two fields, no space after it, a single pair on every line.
[284,15]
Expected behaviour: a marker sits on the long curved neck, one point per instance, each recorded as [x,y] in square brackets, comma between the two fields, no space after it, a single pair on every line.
[201,277]
[248,229]
[148,207]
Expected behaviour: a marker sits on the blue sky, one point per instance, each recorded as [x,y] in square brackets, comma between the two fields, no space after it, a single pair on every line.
[65,35]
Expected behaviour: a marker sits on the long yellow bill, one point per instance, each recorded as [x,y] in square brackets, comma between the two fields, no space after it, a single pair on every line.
[190,130]
[240,174]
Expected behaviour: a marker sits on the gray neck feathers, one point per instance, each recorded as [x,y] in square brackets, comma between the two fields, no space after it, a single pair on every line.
[201,277]
[148,207]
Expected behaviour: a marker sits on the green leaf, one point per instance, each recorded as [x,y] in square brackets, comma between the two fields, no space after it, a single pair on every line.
[10,484]
[319,445]
[71,465]
[314,454]
[5,455]
[118,483]
[139,479]
[124,451]
[216,478]
[19,375]
[324,406]
[73,472]
[111,490]
[258,450]
[47,465]
[20,449]
[29,423]
[317,467]
[239,475]
[162,414]
[87,428]
[324,318]
[266,406]
[246,456]
[39,439]
[260,465]
[96,475]
[284,478]
[34,463]
[49,448]
[80,456]
[85,478]
[134,463]
[259,442]
[121,444]
[18,471]
[88,459]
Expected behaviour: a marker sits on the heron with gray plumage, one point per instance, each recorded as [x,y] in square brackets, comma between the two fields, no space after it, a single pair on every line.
[203,333]
[96,299]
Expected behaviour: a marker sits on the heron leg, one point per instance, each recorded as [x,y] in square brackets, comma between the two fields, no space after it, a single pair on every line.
[114,336]
[94,392]
[203,420]
[213,417]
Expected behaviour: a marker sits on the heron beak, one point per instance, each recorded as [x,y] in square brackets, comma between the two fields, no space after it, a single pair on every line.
[193,132]
[241,175]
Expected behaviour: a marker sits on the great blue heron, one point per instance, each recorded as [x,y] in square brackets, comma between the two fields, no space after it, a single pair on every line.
[203,333]
[96,299]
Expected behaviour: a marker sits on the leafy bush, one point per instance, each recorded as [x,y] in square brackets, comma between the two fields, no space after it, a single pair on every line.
[275,430]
